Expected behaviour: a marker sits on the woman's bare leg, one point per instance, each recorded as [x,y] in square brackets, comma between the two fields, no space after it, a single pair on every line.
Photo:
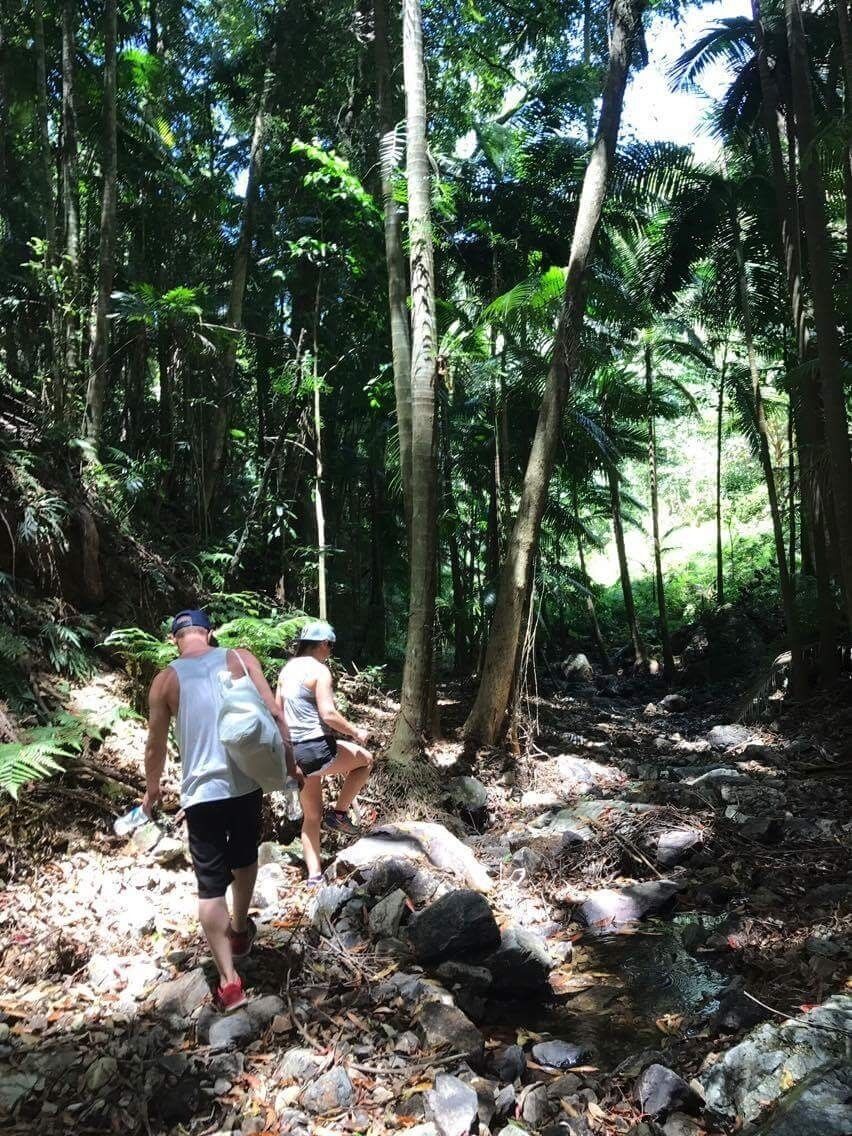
[311,797]
[356,767]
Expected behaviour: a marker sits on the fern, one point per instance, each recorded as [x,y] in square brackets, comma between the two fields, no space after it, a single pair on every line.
[140,648]
[268,639]
[12,646]
[38,755]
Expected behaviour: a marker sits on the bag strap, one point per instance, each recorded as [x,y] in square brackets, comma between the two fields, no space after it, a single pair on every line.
[233,651]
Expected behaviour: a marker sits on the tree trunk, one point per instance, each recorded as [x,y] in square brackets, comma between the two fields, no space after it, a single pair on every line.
[846,54]
[48,204]
[600,642]
[788,599]
[319,510]
[825,318]
[394,254]
[234,318]
[720,565]
[374,645]
[668,655]
[70,192]
[639,654]
[487,719]
[98,351]
[414,716]
[461,641]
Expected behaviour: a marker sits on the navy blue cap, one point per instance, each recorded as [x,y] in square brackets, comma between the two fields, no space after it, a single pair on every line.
[185,619]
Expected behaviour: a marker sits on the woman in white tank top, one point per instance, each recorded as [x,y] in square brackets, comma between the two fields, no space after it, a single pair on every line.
[305,694]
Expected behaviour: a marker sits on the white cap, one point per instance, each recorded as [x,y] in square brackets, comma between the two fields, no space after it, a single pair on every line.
[317,632]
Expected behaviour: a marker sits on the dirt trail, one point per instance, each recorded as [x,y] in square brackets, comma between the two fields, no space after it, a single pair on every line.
[736,857]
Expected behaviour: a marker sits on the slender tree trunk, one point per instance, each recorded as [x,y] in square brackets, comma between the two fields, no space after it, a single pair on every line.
[394,253]
[720,564]
[668,655]
[600,642]
[374,632]
[48,205]
[70,193]
[788,599]
[825,318]
[234,318]
[791,493]
[846,53]
[319,508]
[413,721]
[487,718]
[639,654]
[99,339]
[809,426]
[460,621]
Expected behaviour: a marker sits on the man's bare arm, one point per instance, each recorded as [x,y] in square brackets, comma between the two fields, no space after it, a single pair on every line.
[159,718]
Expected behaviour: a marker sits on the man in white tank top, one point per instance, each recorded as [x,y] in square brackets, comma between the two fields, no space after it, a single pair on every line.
[221,803]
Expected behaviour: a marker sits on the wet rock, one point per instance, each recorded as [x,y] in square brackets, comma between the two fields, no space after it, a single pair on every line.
[565,1086]
[728,737]
[451,1106]
[475,979]
[660,1091]
[557,1054]
[521,964]
[674,703]
[386,916]
[182,996]
[458,924]
[467,793]
[422,842]
[577,669]
[444,1025]
[737,1012]
[510,1063]
[145,838]
[296,1066]
[773,1058]
[615,907]
[676,844]
[330,1092]
[821,1105]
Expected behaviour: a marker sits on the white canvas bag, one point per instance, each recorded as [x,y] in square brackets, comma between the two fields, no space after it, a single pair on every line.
[249,733]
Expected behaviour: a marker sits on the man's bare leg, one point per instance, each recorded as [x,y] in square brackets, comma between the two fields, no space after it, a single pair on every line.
[214,918]
[242,890]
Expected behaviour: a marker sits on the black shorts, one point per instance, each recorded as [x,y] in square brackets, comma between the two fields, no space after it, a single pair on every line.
[314,754]
[223,835]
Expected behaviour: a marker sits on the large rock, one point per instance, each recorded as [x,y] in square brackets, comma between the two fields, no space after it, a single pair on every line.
[558,1054]
[660,1091]
[458,924]
[468,793]
[443,1025]
[820,1106]
[510,1063]
[610,908]
[183,995]
[521,964]
[451,1106]
[386,916]
[236,1030]
[422,842]
[332,1092]
[676,844]
[577,668]
[729,737]
[328,904]
[297,1065]
[580,775]
[774,1058]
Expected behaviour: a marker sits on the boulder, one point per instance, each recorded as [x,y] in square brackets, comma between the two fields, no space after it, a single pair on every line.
[475,979]
[510,1063]
[386,916]
[458,924]
[676,844]
[577,668]
[451,1106]
[580,822]
[422,842]
[332,1092]
[169,850]
[661,1091]
[418,879]
[521,964]
[558,1054]
[580,775]
[467,793]
[777,1057]
[820,1106]
[443,1025]
[183,995]
[728,737]
[611,908]
[236,1030]
[673,703]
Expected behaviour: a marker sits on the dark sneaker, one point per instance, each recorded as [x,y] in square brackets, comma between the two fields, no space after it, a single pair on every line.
[339,822]
[229,998]
[241,941]
[314,882]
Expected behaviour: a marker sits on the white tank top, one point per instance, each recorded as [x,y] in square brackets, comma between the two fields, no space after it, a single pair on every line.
[207,772]
[300,703]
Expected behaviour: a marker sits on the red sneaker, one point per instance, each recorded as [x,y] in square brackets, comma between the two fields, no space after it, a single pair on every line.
[241,941]
[230,997]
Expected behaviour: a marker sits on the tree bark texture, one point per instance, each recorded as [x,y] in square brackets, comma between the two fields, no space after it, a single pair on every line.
[668,656]
[639,654]
[70,190]
[720,564]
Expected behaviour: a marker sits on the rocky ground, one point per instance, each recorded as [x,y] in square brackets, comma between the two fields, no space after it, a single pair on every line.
[640,927]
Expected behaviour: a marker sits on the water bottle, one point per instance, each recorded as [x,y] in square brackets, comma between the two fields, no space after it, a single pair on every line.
[130,821]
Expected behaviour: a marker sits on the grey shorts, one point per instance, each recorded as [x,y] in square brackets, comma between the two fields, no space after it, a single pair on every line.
[313,755]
